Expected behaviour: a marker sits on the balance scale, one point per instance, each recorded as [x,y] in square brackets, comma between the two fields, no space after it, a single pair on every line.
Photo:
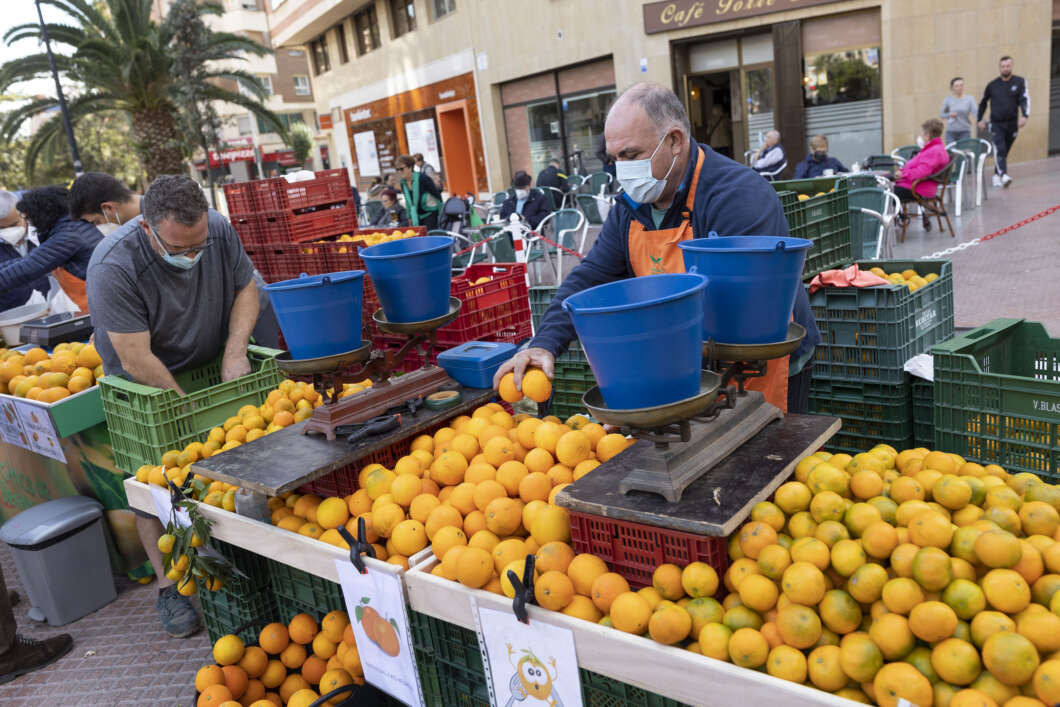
[692,436]
[387,391]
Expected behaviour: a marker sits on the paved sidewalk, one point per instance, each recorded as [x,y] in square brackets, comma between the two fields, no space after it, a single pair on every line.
[120,656]
[1013,275]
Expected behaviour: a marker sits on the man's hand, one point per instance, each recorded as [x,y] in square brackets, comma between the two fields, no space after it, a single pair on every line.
[1021,122]
[519,362]
[982,125]
[234,366]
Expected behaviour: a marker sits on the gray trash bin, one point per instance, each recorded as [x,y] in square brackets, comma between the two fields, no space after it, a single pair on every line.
[61,556]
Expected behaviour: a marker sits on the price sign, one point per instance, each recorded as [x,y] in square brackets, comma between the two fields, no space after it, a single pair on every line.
[530,665]
[39,430]
[11,430]
[375,602]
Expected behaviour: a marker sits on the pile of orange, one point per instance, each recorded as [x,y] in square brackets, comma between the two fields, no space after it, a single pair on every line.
[36,375]
[886,576]
[484,481]
[291,665]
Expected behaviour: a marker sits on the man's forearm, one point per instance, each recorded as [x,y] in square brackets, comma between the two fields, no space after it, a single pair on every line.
[149,370]
[242,320]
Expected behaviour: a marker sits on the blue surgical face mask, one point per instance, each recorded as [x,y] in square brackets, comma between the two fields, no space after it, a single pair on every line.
[637,180]
[178,261]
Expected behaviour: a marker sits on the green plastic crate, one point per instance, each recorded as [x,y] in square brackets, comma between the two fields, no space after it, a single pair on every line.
[307,589]
[227,611]
[923,413]
[252,565]
[997,397]
[146,422]
[452,673]
[872,413]
[571,380]
[868,333]
[540,299]
[824,220]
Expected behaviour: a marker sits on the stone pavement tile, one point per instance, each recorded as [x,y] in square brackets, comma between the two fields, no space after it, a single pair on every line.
[134,661]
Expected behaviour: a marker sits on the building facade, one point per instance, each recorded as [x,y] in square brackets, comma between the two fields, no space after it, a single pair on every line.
[486,87]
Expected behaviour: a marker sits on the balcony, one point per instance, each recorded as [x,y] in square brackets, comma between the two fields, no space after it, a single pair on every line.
[297,22]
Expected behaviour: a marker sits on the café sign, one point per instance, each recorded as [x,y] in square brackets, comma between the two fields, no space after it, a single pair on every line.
[678,14]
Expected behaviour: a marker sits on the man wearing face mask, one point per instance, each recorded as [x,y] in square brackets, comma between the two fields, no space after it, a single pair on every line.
[172,290]
[674,190]
[15,241]
[531,205]
[102,200]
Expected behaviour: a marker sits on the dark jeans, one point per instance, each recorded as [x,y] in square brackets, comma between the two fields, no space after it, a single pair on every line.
[799,390]
[429,221]
[904,194]
[1003,134]
[7,619]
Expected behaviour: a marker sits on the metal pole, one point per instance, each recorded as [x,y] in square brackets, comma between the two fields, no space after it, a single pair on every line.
[78,169]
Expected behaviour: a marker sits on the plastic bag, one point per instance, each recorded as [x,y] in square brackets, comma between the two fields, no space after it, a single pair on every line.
[58,301]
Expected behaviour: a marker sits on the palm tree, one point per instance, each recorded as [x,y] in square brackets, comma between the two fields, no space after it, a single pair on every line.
[122,60]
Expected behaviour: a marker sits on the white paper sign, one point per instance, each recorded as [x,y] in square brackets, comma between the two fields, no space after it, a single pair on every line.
[530,665]
[367,155]
[421,137]
[39,430]
[163,501]
[375,602]
[11,430]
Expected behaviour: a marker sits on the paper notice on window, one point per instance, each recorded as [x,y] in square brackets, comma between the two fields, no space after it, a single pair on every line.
[367,154]
[423,139]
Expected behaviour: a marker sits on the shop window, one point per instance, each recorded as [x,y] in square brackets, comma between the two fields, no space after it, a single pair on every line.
[301,86]
[583,121]
[366,27]
[546,141]
[318,48]
[841,92]
[340,37]
[759,104]
[442,8]
[402,17]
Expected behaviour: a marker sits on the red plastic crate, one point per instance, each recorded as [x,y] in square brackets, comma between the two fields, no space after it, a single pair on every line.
[634,550]
[240,198]
[261,263]
[320,224]
[287,261]
[498,310]
[274,227]
[248,228]
[330,186]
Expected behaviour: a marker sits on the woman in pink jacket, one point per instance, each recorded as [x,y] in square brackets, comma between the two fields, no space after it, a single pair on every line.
[931,158]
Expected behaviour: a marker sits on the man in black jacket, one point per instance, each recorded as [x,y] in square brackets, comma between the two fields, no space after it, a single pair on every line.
[1008,97]
[550,176]
[532,205]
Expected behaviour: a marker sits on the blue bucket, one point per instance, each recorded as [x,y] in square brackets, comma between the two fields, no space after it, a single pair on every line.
[753,283]
[320,315]
[411,277]
[642,337]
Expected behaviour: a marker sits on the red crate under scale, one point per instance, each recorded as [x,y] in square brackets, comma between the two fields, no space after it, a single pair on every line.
[497,310]
[634,550]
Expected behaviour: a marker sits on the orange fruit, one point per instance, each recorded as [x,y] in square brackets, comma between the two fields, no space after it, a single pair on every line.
[839,611]
[474,567]
[803,583]
[956,661]
[254,661]
[932,621]
[536,385]
[928,528]
[630,613]
[554,556]
[825,669]
[274,638]
[965,598]
[799,626]
[583,571]
[1047,681]
[1006,590]
[879,539]
[754,536]
[214,695]
[228,650]
[1010,657]
[699,579]
[302,629]
[667,581]
[293,656]
[932,569]
[605,588]
[507,390]
[610,445]
[550,524]
[901,681]
[787,663]
[748,648]
[208,675]
[998,548]
[901,594]
[235,680]
[554,590]
[859,657]
[891,633]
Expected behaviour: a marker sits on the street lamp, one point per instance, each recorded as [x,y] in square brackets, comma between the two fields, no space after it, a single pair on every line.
[78,169]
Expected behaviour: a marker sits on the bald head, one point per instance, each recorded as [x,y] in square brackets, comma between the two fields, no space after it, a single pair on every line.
[660,105]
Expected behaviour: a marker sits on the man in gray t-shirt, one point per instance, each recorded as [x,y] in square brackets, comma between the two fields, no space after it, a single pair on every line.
[167,291]
[957,112]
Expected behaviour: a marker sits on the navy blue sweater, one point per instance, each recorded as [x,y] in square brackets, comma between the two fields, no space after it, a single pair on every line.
[731,199]
[811,167]
[11,297]
[68,245]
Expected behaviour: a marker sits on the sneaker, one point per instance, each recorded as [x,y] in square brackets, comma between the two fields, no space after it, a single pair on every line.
[27,655]
[178,616]
[1005,180]
[997,180]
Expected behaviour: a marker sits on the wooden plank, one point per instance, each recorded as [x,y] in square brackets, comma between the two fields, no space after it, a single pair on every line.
[672,672]
[716,503]
[284,460]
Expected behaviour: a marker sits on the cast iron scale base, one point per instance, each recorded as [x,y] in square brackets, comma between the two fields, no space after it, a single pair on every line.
[387,391]
[692,436]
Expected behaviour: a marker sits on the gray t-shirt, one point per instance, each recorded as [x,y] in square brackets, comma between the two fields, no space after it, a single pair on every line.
[131,289]
[962,107]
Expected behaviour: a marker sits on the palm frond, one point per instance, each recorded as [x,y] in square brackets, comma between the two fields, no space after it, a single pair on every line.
[32,66]
[216,93]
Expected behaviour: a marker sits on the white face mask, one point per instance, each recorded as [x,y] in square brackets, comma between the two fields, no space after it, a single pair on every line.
[637,180]
[13,235]
[920,141]
[521,194]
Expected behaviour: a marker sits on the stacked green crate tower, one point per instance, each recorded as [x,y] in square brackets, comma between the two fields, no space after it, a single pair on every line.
[573,376]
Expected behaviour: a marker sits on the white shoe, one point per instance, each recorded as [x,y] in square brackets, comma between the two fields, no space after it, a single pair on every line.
[997,181]
[1005,180]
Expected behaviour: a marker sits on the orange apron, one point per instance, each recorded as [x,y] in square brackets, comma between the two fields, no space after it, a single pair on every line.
[74,287]
[652,252]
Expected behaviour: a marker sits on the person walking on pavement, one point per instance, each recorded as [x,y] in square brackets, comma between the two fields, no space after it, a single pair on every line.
[957,111]
[423,201]
[1008,98]
[20,655]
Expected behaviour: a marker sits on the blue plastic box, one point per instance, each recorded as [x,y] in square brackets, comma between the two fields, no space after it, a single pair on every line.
[474,363]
